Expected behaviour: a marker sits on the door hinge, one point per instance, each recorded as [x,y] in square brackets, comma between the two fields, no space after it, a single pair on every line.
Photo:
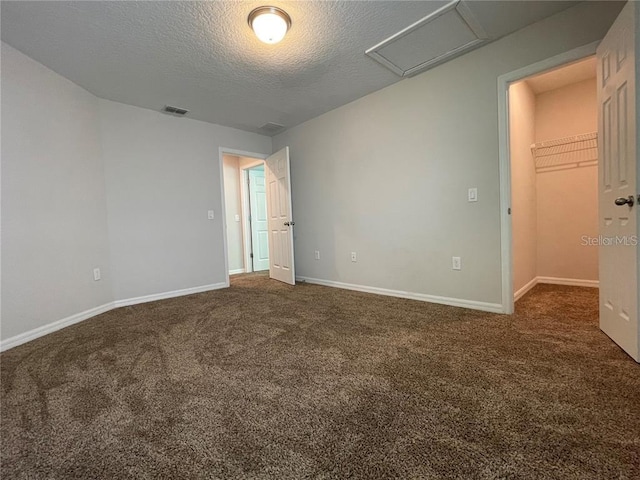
[251,255]
[509,211]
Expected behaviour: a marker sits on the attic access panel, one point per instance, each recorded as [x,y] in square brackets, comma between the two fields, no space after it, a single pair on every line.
[448,32]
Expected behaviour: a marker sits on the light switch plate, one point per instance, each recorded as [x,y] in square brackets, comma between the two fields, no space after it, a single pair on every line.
[473,194]
[210,215]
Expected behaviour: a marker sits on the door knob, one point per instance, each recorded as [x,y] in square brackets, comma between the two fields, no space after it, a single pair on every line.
[289,224]
[625,201]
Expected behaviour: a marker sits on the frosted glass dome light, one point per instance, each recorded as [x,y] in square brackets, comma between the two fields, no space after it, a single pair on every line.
[270,24]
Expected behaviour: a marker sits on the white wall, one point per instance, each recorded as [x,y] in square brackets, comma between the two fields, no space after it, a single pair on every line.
[54,229]
[233,207]
[522,131]
[93,183]
[163,174]
[567,200]
[387,175]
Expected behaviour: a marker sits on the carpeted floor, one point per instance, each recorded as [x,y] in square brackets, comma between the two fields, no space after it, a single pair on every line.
[268,381]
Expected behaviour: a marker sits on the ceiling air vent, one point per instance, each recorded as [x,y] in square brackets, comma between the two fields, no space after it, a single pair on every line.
[271,128]
[446,33]
[179,112]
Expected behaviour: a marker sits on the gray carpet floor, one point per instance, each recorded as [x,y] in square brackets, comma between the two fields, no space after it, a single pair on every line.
[267,381]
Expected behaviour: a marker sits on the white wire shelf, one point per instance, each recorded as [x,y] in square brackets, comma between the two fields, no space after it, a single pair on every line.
[568,152]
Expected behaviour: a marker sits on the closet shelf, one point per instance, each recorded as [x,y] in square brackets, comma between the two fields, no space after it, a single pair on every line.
[576,151]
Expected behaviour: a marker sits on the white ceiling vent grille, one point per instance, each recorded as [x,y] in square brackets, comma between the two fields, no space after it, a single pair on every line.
[446,33]
[271,128]
[180,112]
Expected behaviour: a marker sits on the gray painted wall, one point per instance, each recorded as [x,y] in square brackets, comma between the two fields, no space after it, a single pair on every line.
[54,229]
[387,175]
[163,174]
[92,183]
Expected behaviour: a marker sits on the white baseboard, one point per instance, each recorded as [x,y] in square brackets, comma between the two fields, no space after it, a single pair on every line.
[162,296]
[521,293]
[236,271]
[53,326]
[92,312]
[454,302]
[573,282]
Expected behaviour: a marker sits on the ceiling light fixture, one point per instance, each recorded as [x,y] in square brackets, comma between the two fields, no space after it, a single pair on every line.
[270,24]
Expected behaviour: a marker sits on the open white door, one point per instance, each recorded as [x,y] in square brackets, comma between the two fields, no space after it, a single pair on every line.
[280,217]
[617,185]
[259,227]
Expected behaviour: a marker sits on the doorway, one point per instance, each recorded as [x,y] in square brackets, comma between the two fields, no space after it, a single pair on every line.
[553,123]
[618,179]
[506,230]
[256,236]
[245,240]
[246,213]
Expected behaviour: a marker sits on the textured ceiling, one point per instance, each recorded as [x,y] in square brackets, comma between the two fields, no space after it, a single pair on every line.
[560,77]
[202,56]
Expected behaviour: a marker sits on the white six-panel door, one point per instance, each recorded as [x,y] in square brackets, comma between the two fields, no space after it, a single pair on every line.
[618,183]
[259,220]
[280,217]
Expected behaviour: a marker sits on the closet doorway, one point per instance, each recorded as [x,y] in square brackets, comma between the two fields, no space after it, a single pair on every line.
[255,218]
[553,124]
[246,214]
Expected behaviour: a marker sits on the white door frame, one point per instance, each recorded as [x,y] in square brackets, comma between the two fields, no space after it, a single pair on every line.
[222,151]
[504,81]
[246,223]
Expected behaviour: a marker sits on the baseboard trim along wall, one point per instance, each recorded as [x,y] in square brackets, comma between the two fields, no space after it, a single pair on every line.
[522,292]
[92,312]
[453,302]
[572,282]
[163,296]
[236,272]
[53,326]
